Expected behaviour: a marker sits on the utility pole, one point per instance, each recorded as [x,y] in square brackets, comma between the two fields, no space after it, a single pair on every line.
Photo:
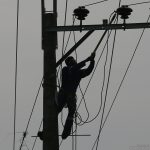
[49,45]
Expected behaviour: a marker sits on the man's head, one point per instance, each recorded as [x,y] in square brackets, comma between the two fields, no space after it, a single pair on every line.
[70,61]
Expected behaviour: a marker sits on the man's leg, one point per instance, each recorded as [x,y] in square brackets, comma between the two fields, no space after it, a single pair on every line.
[71,103]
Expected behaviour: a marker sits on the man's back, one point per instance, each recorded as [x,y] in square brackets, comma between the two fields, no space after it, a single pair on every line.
[72,75]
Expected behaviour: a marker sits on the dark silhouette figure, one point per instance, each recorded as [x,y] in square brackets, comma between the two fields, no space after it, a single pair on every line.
[72,74]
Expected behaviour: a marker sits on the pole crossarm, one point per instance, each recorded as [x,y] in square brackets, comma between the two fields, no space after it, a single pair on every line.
[98,27]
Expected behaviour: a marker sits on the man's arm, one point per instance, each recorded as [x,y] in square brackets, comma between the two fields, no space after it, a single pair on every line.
[80,65]
[89,69]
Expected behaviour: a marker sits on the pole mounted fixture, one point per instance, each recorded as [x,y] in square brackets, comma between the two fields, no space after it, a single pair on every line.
[124,11]
[81,13]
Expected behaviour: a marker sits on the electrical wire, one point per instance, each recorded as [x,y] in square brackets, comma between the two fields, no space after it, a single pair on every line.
[60,143]
[74,36]
[16,73]
[37,136]
[122,80]
[108,81]
[95,3]
[66,8]
[89,85]
[96,65]
[107,87]
[138,3]
[64,33]
[91,80]
[120,3]
[25,133]
[133,55]
[76,133]
[72,139]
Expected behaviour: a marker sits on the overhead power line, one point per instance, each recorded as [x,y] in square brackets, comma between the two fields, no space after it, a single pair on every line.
[37,136]
[138,3]
[66,8]
[125,74]
[108,81]
[16,73]
[93,74]
[25,133]
[122,80]
[107,87]
[95,3]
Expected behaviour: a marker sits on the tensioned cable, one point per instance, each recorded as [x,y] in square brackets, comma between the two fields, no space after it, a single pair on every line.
[65,19]
[108,81]
[104,76]
[66,8]
[60,143]
[16,72]
[25,133]
[120,3]
[138,3]
[37,136]
[76,134]
[72,139]
[125,74]
[107,87]
[64,48]
[26,146]
[95,3]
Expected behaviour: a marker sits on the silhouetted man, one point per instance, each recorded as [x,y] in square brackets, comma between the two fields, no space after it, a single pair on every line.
[72,74]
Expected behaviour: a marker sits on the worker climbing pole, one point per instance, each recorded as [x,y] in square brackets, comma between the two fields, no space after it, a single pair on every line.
[72,73]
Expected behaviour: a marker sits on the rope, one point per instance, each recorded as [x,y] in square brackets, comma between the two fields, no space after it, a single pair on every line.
[16,72]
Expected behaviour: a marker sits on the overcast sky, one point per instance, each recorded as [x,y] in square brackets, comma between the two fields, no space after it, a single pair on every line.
[128,125]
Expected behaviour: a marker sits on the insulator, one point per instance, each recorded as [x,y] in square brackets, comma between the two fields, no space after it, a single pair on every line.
[81,13]
[124,11]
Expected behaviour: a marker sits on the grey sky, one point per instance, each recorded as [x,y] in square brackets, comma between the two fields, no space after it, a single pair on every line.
[128,125]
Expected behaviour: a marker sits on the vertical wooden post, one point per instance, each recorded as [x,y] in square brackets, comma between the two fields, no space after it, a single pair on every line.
[50,117]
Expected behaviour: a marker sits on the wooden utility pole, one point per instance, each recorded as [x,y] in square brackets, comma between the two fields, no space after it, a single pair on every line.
[49,45]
